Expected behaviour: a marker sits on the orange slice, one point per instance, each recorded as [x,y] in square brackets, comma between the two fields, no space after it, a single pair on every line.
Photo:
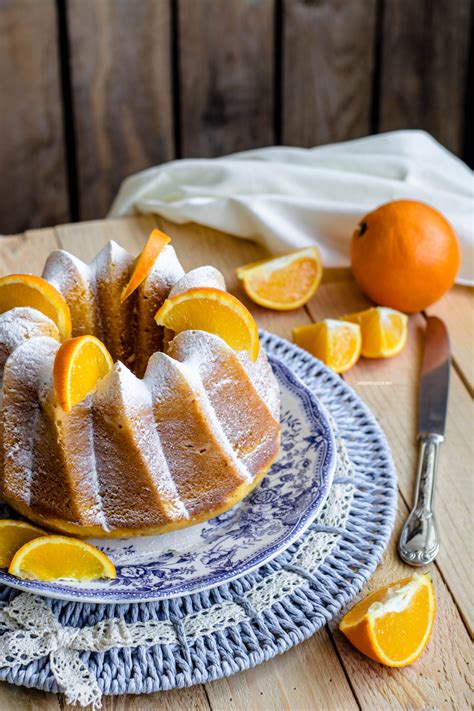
[145,261]
[60,557]
[336,343]
[384,331]
[37,293]
[13,535]
[393,625]
[214,311]
[283,283]
[79,364]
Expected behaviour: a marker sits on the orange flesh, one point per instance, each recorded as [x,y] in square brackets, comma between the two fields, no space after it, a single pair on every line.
[36,293]
[213,311]
[283,283]
[337,347]
[398,633]
[285,286]
[59,557]
[383,333]
[13,535]
[79,364]
[395,637]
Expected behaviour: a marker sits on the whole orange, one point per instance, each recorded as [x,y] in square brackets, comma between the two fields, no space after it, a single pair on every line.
[405,255]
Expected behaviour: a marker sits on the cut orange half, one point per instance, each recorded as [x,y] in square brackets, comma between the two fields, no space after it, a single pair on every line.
[283,283]
[39,294]
[384,331]
[145,261]
[214,311]
[393,625]
[336,343]
[61,558]
[13,535]
[79,364]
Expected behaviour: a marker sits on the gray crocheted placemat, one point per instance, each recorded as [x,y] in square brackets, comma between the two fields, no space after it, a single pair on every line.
[88,650]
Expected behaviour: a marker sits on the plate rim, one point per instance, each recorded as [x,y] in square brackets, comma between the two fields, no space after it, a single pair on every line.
[265,556]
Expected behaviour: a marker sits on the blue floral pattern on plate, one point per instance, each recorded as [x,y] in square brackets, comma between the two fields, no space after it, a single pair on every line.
[260,527]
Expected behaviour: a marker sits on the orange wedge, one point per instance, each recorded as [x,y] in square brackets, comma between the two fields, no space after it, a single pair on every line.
[336,343]
[79,364]
[393,625]
[60,557]
[145,261]
[37,293]
[283,283]
[384,331]
[13,535]
[214,311]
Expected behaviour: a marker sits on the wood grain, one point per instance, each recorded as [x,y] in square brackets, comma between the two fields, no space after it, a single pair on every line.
[439,679]
[324,672]
[19,698]
[26,252]
[327,70]
[390,389]
[277,684]
[456,308]
[306,678]
[33,190]
[193,699]
[226,75]
[122,93]
[424,60]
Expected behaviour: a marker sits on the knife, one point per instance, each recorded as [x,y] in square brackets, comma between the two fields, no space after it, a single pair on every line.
[419,539]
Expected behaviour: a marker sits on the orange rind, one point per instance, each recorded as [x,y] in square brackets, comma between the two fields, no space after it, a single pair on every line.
[215,311]
[36,293]
[283,283]
[79,364]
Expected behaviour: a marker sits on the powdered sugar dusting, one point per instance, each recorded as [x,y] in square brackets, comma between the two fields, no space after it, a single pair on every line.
[28,370]
[199,277]
[19,325]
[113,435]
[136,406]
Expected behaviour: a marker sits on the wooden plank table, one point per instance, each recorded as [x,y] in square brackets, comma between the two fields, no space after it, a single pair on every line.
[324,672]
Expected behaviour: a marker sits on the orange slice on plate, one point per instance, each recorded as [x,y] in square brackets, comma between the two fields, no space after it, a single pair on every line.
[283,283]
[145,261]
[336,343]
[13,535]
[393,624]
[37,293]
[214,311]
[61,558]
[384,331]
[79,364]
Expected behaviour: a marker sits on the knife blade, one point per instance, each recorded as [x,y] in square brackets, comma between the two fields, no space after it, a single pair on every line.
[419,539]
[434,387]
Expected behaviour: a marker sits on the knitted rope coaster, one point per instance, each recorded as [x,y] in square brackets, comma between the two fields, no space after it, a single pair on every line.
[86,650]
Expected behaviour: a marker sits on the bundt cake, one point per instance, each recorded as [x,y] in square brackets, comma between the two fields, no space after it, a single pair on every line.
[180,429]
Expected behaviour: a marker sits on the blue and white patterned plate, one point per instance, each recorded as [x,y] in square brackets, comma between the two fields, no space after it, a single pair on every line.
[253,532]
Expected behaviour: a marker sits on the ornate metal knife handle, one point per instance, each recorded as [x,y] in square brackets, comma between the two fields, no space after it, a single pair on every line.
[419,540]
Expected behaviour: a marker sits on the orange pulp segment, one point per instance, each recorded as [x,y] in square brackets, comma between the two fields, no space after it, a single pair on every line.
[61,557]
[393,624]
[283,283]
[37,293]
[214,311]
[79,364]
[336,343]
[384,331]
[145,261]
[13,535]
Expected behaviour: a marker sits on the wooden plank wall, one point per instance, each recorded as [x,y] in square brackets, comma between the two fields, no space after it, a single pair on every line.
[93,90]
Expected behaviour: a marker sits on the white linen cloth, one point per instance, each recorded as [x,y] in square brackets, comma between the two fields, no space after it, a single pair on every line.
[288,198]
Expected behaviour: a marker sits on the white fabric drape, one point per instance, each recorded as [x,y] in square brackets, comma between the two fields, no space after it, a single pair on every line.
[293,197]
